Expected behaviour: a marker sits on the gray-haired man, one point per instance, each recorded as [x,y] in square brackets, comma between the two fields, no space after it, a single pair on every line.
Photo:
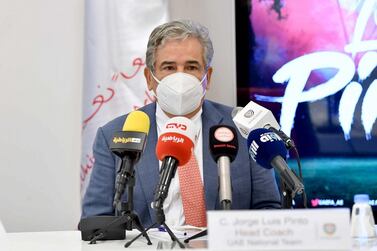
[178,71]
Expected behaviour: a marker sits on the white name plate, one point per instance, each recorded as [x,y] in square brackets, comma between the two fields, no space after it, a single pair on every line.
[298,229]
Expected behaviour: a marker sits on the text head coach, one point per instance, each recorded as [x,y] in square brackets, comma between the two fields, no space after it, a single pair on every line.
[178,71]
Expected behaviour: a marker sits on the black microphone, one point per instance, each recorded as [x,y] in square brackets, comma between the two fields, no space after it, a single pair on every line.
[269,151]
[223,144]
[174,148]
[128,145]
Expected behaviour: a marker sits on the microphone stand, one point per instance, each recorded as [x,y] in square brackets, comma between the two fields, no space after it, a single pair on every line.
[289,191]
[196,236]
[288,196]
[160,221]
[124,210]
[158,207]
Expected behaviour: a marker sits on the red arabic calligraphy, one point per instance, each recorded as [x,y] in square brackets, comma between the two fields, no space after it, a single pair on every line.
[86,168]
[115,77]
[99,100]
[136,62]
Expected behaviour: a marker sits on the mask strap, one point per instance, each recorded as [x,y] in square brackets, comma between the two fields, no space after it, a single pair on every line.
[202,84]
[158,81]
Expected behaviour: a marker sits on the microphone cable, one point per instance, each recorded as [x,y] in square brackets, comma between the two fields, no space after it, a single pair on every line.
[290,144]
[297,157]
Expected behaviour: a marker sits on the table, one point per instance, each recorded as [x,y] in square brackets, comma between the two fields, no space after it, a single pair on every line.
[71,241]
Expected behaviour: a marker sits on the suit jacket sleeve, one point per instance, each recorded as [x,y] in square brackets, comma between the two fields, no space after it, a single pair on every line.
[265,193]
[98,198]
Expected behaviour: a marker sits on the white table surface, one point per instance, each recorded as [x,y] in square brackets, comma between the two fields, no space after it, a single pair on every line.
[71,241]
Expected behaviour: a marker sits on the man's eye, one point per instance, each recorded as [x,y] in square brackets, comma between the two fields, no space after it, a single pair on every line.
[192,68]
[168,68]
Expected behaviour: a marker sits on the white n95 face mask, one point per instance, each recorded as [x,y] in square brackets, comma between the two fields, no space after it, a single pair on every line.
[179,93]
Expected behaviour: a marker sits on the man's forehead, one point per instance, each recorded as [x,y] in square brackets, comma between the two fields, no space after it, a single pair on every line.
[173,51]
[178,40]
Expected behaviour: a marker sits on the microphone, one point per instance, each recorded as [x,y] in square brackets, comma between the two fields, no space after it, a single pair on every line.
[174,148]
[223,144]
[128,145]
[268,150]
[254,116]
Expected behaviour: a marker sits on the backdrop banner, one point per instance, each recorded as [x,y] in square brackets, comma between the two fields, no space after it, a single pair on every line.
[116,38]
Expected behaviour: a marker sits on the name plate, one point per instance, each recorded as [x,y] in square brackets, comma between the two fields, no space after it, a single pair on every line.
[298,229]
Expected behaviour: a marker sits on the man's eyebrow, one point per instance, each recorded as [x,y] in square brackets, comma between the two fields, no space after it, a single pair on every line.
[167,63]
[193,62]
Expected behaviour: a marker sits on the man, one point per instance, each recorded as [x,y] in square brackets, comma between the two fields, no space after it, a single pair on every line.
[179,71]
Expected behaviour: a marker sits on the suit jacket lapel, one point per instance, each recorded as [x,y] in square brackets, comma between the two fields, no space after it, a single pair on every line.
[210,117]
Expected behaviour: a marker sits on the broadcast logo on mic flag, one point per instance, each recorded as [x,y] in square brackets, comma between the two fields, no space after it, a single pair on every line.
[264,145]
[251,117]
[174,148]
[254,116]
[176,140]
[223,142]
[133,136]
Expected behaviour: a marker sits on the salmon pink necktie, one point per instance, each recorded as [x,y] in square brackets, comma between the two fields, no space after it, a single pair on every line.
[192,191]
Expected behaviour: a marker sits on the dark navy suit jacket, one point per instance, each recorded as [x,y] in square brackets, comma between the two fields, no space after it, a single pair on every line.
[253,186]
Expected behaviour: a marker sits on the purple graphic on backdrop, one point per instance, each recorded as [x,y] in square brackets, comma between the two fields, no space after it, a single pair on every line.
[317,50]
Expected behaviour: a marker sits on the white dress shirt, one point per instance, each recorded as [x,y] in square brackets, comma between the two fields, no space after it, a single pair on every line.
[173,207]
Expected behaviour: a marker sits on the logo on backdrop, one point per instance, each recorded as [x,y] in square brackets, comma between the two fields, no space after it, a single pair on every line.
[327,202]
[297,79]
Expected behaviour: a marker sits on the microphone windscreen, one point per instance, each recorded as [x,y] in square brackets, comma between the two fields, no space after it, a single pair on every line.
[137,121]
[265,145]
[174,145]
[176,140]
[223,142]
[251,117]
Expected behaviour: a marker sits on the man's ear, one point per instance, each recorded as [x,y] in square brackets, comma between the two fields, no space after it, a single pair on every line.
[149,78]
[209,76]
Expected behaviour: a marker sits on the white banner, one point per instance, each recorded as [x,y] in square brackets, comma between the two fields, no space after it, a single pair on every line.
[116,38]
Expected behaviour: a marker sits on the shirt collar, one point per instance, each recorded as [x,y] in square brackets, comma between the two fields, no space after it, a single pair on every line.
[162,118]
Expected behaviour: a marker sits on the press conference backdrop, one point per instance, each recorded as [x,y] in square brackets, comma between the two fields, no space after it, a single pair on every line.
[319,77]
[41,79]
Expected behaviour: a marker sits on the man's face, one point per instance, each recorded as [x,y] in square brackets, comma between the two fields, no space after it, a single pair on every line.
[178,56]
